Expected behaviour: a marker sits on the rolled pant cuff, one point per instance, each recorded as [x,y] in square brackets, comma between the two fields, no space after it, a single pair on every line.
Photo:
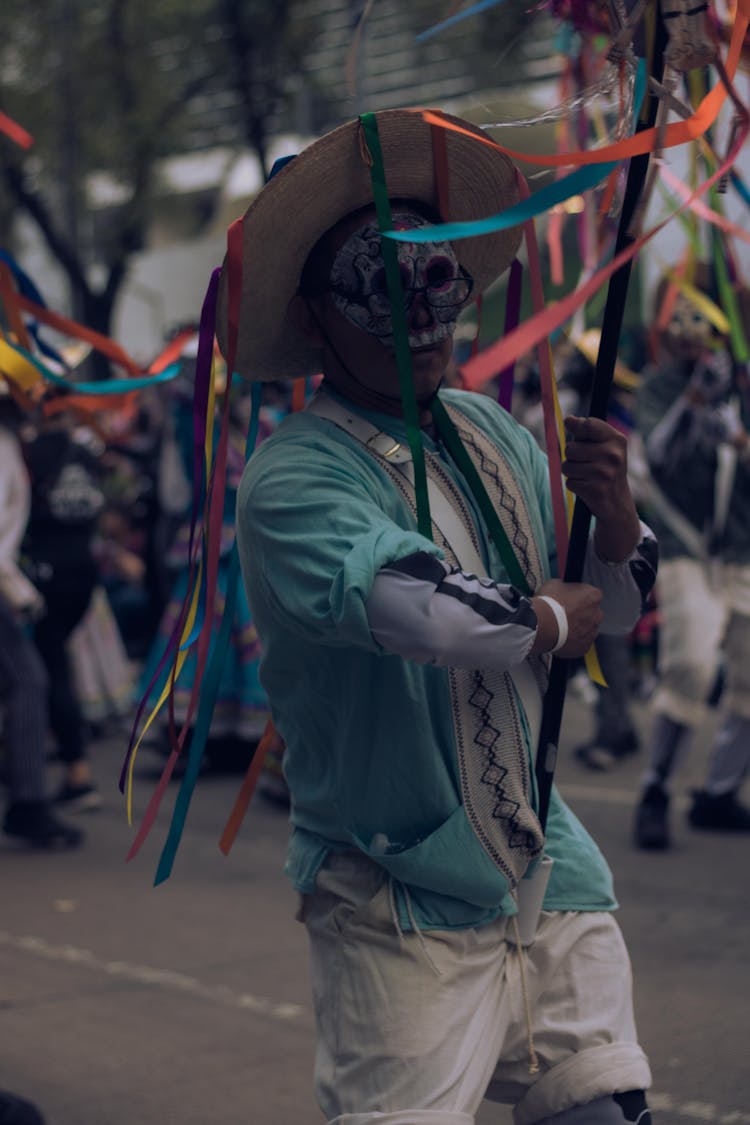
[612,1068]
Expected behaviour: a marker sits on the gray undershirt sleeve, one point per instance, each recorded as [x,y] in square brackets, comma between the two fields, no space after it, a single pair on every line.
[626,585]
[426,611]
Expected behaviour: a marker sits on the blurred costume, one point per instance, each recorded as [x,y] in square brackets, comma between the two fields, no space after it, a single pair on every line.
[66,501]
[241,710]
[693,415]
[102,674]
[23,680]
[614,737]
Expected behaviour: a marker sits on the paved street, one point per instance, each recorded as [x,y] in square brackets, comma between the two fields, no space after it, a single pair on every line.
[188,1004]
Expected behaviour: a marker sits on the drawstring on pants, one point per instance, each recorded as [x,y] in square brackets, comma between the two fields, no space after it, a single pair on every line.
[533,1057]
[412,919]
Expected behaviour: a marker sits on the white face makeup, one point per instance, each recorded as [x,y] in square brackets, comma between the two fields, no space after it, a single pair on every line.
[360,290]
[688,329]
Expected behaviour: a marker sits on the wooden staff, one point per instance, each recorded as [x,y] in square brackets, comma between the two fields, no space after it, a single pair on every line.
[554,700]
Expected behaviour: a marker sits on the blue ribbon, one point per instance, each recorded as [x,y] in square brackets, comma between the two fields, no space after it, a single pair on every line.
[474,10]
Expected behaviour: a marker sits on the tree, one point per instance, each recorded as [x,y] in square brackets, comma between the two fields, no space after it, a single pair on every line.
[266,46]
[112,88]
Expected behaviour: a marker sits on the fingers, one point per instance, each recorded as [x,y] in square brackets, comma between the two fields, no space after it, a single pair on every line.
[595,465]
[588,429]
[591,438]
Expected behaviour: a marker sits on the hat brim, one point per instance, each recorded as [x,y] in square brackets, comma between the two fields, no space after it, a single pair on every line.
[329,180]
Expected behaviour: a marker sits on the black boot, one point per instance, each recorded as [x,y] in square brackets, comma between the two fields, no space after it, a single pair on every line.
[651,829]
[17,1111]
[34,823]
[721,814]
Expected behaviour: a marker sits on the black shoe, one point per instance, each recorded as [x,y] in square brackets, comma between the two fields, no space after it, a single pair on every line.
[722,814]
[652,820]
[604,756]
[34,823]
[17,1111]
[78,798]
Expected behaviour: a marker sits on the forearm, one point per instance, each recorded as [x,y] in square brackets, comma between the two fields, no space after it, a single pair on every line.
[425,611]
[617,538]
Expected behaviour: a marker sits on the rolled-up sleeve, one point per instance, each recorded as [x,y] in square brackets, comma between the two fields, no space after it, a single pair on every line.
[625,585]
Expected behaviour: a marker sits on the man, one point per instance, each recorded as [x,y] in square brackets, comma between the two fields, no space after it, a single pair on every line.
[405,674]
[23,682]
[66,503]
[693,416]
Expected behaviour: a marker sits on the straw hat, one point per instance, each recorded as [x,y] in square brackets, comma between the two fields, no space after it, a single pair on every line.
[326,182]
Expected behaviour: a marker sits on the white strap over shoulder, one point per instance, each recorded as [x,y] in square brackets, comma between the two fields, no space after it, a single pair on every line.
[377,441]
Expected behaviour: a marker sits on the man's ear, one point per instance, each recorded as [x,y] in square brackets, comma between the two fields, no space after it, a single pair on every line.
[304,319]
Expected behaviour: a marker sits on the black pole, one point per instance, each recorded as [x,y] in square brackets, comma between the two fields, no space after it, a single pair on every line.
[614,310]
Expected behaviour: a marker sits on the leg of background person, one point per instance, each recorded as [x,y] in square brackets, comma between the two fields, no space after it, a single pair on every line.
[615,735]
[23,685]
[693,617]
[66,605]
[24,688]
[717,806]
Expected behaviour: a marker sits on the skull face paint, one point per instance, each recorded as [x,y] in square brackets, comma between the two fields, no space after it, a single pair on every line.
[360,290]
[688,331]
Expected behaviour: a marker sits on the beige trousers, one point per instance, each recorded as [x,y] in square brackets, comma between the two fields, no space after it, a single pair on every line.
[703,610]
[416,1028]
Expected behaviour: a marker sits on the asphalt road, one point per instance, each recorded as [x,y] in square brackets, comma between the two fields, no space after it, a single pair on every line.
[187,1004]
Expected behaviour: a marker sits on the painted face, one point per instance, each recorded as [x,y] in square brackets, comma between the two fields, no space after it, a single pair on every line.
[360,291]
[688,330]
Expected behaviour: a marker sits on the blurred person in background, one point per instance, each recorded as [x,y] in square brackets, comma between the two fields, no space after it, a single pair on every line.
[241,711]
[615,736]
[66,501]
[693,416]
[23,680]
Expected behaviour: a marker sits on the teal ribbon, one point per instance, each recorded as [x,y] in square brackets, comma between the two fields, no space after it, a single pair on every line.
[739,186]
[108,387]
[727,293]
[400,326]
[578,182]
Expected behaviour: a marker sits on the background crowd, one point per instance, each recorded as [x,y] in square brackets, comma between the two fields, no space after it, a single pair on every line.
[94,569]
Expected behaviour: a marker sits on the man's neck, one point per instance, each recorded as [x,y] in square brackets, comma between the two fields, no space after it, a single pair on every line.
[365,398]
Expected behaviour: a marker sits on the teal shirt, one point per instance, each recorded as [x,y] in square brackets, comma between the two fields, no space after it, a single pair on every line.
[370,751]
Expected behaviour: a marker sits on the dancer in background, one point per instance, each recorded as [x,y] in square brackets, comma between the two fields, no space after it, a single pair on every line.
[241,710]
[693,416]
[23,680]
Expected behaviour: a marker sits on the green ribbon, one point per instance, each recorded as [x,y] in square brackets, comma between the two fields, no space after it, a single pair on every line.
[400,326]
[446,429]
[727,292]
[458,452]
